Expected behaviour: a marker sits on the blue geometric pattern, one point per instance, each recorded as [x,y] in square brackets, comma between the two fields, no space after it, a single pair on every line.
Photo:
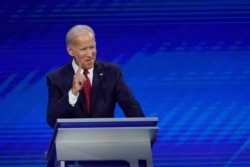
[187,62]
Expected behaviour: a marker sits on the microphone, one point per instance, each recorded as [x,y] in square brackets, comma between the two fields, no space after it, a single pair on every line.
[103,86]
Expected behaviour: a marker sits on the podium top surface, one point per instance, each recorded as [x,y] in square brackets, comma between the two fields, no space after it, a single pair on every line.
[106,122]
[131,119]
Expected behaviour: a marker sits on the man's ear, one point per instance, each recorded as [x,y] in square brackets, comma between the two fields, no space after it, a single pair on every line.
[69,51]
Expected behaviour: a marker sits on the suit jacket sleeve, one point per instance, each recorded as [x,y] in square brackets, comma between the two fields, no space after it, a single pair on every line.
[58,101]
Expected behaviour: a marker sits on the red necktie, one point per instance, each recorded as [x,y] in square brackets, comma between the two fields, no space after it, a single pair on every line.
[87,90]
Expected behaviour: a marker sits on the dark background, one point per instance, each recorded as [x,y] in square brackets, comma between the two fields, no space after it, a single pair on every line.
[187,62]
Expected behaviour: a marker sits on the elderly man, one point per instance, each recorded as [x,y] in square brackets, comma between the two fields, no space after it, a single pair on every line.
[85,87]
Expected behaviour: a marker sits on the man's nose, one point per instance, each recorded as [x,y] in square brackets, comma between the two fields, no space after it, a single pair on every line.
[89,53]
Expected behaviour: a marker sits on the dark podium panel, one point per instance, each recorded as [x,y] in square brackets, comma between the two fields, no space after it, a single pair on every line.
[120,142]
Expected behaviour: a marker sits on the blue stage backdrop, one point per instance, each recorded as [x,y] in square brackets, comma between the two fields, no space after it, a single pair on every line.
[188,63]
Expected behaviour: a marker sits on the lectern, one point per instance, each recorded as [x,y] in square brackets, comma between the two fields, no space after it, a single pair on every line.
[125,142]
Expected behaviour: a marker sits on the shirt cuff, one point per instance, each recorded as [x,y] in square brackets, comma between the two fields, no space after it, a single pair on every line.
[72,98]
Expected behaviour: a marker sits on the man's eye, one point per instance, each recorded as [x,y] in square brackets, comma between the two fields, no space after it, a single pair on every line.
[83,49]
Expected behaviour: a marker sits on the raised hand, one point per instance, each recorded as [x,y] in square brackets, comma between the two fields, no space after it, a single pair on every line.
[78,80]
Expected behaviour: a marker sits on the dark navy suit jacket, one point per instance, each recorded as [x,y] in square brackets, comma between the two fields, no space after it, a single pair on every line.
[108,88]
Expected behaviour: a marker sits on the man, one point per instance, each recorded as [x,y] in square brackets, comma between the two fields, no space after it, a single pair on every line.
[85,87]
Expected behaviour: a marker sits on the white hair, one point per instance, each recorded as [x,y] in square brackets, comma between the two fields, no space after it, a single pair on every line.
[77,30]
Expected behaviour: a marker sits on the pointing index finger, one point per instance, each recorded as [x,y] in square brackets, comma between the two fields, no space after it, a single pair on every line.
[79,68]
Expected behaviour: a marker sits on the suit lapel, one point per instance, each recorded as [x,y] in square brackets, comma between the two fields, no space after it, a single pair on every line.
[81,108]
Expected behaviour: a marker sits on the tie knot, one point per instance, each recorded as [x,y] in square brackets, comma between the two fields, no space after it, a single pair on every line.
[85,72]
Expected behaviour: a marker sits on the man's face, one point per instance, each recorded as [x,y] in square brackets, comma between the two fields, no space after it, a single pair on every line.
[84,50]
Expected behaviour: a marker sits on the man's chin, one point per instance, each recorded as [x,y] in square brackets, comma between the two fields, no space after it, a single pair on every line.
[89,64]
